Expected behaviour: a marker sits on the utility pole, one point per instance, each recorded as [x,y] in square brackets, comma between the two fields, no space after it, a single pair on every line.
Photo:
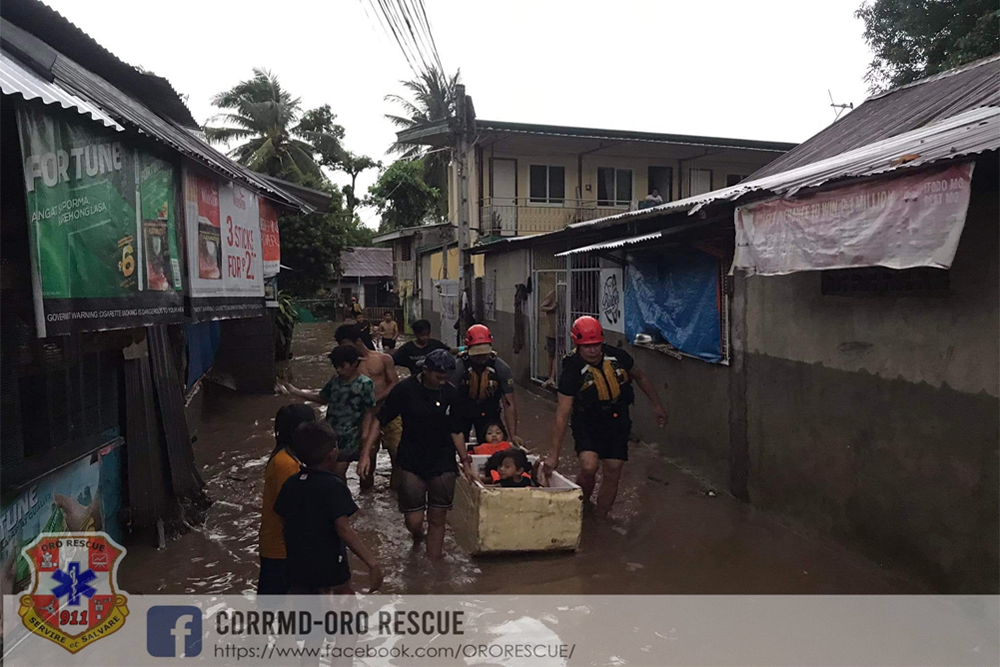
[465,126]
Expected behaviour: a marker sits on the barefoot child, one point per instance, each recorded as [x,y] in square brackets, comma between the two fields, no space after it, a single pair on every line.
[315,506]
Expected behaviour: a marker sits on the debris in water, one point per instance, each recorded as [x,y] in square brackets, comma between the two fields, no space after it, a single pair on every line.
[711,493]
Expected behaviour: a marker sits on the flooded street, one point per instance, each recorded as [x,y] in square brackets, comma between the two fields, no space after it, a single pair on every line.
[667,533]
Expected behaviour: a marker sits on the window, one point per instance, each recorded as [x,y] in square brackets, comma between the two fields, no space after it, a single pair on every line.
[733,179]
[614,186]
[877,281]
[699,181]
[407,250]
[548,184]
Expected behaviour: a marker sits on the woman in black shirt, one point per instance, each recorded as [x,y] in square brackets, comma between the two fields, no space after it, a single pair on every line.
[432,434]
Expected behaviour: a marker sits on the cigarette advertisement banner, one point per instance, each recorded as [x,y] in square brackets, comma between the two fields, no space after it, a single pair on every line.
[900,222]
[269,238]
[225,258]
[102,219]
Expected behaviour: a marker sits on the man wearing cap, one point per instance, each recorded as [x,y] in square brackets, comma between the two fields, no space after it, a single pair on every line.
[484,383]
[432,435]
[595,391]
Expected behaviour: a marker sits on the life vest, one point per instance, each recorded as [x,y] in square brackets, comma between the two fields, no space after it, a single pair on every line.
[490,448]
[606,386]
[495,476]
[479,386]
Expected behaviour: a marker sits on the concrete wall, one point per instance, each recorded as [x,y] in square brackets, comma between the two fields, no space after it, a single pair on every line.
[876,419]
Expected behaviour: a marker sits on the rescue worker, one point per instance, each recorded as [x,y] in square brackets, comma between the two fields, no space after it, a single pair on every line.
[485,383]
[595,391]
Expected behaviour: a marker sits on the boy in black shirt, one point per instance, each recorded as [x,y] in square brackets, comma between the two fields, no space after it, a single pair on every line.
[595,388]
[412,354]
[315,506]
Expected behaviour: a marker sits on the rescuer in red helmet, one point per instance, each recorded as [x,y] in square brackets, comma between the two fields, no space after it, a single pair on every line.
[485,384]
[595,389]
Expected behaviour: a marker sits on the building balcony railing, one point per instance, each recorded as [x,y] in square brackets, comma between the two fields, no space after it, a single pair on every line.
[513,217]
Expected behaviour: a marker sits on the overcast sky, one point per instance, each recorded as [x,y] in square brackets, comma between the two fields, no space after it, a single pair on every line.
[736,69]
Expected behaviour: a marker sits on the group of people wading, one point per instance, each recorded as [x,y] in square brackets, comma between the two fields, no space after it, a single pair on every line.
[424,421]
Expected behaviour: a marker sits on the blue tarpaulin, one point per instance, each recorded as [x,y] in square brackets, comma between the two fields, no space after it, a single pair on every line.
[675,295]
[202,344]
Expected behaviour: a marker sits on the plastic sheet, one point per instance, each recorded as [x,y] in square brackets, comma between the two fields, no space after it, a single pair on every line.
[202,344]
[675,295]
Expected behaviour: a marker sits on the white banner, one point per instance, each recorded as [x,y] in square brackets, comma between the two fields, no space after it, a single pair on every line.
[612,299]
[900,222]
[225,259]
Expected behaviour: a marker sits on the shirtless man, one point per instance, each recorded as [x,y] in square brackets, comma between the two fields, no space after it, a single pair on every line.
[382,370]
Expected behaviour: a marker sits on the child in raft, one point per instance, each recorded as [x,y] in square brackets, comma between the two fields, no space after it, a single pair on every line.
[496,440]
[509,468]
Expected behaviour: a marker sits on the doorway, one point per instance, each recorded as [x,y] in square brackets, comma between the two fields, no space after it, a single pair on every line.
[662,178]
[548,333]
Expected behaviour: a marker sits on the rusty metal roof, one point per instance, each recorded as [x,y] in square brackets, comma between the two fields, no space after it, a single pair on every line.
[366,262]
[898,111]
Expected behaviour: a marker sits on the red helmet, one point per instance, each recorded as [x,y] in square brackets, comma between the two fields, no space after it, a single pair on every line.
[478,334]
[587,331]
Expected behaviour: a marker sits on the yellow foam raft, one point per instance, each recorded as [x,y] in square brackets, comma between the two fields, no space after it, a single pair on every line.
[491,519]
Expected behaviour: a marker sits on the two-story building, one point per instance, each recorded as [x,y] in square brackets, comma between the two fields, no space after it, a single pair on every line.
[527,179]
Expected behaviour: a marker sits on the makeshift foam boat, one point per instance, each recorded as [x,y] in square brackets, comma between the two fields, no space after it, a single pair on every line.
[492,519]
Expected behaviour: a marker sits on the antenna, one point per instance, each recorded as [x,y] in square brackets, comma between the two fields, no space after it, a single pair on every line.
[838,109]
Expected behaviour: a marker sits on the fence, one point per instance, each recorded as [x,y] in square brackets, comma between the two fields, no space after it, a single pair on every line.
[506,217]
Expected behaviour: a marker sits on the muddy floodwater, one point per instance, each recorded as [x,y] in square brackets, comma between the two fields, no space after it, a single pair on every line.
[669,531]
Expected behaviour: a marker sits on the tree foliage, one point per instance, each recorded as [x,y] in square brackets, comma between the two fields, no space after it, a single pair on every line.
[912,39]
[274,136]
[311,245]
[353,165]
[402,197]
[431,99]
[277,138]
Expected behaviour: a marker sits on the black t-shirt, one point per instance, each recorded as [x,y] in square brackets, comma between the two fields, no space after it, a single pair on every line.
[412,357]
[587,407]
[429,419]
[309,504]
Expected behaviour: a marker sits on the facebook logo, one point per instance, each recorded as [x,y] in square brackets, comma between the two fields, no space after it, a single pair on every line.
[173,631]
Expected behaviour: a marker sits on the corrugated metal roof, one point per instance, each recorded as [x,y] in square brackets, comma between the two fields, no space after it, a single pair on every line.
[897,111]
[129,111]
[15,79]
[407,231]
[366,262]
[436,134]
[51,27]
[968,133]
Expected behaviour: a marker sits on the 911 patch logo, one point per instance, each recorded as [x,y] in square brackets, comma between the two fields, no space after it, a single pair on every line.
[74,598]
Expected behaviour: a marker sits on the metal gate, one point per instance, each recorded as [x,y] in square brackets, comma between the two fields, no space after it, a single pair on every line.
[584,289]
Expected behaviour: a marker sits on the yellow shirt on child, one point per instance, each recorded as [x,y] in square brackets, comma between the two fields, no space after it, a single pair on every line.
[271,538]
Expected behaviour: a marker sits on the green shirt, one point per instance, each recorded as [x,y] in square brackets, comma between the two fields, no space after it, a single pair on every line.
[346,405]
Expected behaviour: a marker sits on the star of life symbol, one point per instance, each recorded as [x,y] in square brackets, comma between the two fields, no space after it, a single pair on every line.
[74,599]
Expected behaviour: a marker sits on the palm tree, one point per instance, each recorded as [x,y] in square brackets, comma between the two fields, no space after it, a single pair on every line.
[433,100]
[265,115]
